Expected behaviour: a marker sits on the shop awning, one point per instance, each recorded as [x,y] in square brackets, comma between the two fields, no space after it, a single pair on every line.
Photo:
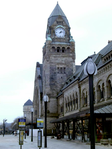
[85,113]
[105,109]
[70,117]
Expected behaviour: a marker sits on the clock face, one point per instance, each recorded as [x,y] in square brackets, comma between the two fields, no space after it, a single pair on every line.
[60,32]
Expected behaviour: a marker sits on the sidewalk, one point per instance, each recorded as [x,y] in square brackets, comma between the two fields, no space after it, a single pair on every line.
[12,142]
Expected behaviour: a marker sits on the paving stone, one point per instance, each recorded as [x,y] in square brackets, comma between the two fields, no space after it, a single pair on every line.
[12,142]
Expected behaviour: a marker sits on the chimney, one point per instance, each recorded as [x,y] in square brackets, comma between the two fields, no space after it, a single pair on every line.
[109,41]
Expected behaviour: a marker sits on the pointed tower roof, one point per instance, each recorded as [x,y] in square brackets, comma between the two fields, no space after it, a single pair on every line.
[28,103]
[55,13]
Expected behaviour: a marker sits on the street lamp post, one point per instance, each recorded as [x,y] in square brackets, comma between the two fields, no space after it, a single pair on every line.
[32,124]
[90,70]
[45,100]
[4,120]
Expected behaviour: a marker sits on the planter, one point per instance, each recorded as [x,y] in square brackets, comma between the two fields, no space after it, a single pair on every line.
[104,141]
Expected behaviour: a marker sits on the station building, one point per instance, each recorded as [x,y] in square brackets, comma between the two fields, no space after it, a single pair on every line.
[67,87]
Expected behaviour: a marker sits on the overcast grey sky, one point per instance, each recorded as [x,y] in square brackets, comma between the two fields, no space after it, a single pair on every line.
[23,26]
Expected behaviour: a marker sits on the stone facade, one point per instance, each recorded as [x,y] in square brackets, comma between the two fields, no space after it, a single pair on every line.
[38,93]
[75,98]
[27,110]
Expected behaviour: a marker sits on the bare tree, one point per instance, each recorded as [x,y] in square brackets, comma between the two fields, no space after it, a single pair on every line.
[14,124]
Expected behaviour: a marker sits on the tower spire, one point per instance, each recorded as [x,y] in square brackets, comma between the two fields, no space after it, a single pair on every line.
[55,13]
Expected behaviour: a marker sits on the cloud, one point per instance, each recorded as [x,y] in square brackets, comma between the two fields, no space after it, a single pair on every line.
[12,105]
[22,36]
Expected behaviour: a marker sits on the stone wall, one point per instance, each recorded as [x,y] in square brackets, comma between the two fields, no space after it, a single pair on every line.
[27,112]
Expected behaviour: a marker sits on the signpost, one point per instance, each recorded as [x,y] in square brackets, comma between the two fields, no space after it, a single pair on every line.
[22,126]
[39,126]
[21,133]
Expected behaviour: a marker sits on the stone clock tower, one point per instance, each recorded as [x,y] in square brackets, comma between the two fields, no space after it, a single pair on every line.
[58,58]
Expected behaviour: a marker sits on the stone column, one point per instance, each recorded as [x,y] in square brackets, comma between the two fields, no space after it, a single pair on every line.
[63,129]
[73,136]
[82,130]
[68,129]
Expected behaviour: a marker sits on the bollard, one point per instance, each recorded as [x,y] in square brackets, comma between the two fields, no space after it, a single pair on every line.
[22,126]
[39,138]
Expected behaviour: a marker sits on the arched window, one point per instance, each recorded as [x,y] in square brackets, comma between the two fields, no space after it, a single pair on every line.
[58,49]
[66,105]
[99,93]
[61,109]
[73,102]
[76,98]
[64,69]
[57,69]
[109,89]
[60,69]
[103,91]
[76,101]
[84,98]
[53,49]
[94,95]
[63,49]
[70,103]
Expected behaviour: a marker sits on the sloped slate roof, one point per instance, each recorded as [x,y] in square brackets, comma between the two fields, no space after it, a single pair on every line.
[106,49]
[105,109]
[28,103]
[97,59]
[54,15]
